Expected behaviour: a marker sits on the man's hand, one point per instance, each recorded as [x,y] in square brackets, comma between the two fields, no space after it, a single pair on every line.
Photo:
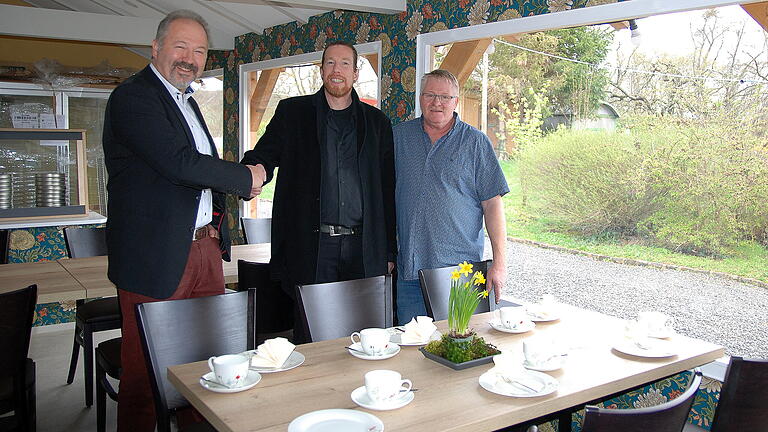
[497,275]
[258,177]
[390,267]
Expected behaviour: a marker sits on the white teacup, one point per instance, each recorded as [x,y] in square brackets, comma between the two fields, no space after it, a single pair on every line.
[374,341]
[512,317]
[383,385]
[230,369]
[655,322]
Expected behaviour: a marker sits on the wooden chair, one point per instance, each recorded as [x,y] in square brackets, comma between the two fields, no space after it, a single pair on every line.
[182,331]
[436,289]
[335,309]
[743,404]
[108,363]
[667,417]
[93,316]
[257,230]
[274,308]
[17,371]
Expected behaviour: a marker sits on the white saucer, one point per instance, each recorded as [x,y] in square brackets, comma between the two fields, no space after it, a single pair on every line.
[540,316]
[649,348]
[553,364]
[494,383]
[360,397]
[391,351]
[336,420]
[522,328]
[296,359]
[251,380]
[397,338]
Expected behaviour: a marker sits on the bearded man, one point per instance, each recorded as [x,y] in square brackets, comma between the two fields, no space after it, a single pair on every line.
[333,217]
[167,230]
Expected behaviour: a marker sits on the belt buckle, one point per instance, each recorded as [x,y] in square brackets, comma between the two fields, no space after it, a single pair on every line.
[332,231]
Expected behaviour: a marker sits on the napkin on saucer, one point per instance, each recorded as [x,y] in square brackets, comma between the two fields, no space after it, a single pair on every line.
[419,330]
[272,353]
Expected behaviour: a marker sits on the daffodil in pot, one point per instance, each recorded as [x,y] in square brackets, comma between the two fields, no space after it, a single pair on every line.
[462,345]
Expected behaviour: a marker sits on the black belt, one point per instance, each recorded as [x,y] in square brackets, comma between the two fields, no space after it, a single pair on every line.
[337,230]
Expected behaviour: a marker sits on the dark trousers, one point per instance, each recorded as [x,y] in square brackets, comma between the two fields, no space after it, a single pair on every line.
[203,276]
[339,258]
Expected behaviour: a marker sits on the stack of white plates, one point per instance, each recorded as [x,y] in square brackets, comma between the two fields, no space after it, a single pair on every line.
[50,189]
[5,191]
[23,189]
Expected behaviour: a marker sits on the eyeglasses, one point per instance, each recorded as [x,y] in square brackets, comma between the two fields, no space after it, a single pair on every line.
[429,97]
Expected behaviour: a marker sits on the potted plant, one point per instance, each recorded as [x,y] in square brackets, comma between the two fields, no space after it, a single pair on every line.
[461,347]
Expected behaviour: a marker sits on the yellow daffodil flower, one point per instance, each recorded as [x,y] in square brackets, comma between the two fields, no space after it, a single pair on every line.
[455,275]
[465,268]
[484,294]
[479,278]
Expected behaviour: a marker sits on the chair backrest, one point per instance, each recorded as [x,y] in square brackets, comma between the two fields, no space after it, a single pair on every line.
[182,331]
[274,308]
[85,242]
[667,417]
[17,309]
[436,289]
[335,309]
[257,230]
[5,238]
[743,404]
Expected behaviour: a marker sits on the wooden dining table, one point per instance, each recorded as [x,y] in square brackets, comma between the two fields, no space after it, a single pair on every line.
[447,399]
[80,278]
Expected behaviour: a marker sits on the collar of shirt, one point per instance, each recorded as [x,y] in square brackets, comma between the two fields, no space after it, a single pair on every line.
[176,94]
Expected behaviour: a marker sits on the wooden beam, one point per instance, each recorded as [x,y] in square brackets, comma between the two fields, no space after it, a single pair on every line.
[620,25]
[463,57]
[259,93]
[373,59]
[513,38]
[758,12]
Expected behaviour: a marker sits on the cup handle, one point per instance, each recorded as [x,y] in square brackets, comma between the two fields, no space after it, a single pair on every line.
[409,385]
[353,338]
[210,363]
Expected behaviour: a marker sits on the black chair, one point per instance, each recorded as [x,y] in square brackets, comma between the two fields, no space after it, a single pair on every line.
[182,331]
[93,316]
[257,230]
[274,308]
[108,363]
[743,404]
[5,239]
[17,371]
[667,417]
[335,309]
[436,289]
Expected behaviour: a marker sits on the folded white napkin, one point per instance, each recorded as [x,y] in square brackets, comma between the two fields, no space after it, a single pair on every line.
[419,330]
[272,353]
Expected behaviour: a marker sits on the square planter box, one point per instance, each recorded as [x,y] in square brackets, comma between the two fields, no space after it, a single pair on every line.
[456,366]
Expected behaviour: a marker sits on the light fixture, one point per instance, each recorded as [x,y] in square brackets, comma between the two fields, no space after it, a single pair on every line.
[636,37]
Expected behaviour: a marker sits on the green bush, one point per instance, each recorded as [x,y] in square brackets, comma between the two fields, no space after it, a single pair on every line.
[691,186]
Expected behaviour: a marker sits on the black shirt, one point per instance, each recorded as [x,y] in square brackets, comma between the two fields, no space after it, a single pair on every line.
[341,195]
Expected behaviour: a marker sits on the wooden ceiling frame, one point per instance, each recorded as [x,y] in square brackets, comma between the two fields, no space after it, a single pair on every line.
[259,93]
[758,12]
[463,57]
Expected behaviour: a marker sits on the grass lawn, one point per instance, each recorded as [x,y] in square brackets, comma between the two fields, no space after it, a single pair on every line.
[748,259]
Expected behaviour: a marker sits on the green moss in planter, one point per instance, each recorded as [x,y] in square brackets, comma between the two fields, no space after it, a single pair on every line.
[460,352]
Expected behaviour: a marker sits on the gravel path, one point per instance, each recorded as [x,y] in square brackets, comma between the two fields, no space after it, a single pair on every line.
[714,309]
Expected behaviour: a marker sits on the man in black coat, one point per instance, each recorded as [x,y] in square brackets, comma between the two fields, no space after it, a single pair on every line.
[333,217]
[167,229]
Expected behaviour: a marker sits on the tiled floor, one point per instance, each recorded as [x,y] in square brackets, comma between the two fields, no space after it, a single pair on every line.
[61,407]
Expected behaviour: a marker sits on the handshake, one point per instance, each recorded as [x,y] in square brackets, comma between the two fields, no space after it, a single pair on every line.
[259,176]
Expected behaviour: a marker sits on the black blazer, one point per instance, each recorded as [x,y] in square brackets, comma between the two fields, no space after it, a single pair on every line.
[291,142]
[156,176]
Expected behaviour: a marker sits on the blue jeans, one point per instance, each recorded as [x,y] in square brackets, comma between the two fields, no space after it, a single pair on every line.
[410,302]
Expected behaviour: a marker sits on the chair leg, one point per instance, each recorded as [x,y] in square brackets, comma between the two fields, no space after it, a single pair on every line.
[101,399]
[88,364]
[73,360]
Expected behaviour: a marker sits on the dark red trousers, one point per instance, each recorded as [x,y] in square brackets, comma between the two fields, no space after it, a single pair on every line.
[203,276]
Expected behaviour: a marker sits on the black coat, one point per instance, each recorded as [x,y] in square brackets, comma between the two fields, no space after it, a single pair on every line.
[156,176]
[292,143]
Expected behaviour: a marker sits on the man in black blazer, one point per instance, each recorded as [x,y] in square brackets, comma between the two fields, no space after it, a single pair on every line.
[167,227]
[333,217]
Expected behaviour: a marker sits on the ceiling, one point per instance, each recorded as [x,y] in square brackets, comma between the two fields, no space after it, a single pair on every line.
[133,22]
